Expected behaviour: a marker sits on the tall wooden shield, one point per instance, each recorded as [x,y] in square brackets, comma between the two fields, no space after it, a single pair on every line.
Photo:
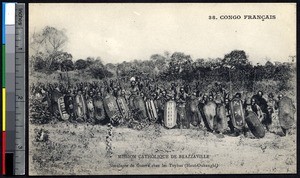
[62,108]
[255,126]
[54,95]
[99,109]
[151,110]
[170,114]
[184,116]
[69,103]
[286,112]
[123,107]
[221,122]
[80,107]
[140,106]
[210,113]
[237,113]
[111,107]
[192,113]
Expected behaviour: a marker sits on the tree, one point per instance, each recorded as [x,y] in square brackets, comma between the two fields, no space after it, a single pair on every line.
[160,61]
[236,58]
[269,70]
[269,64]
[97,69]
[54,60]
[67,65]
[80,64]
[49,41]
[199,62]
[99,72]
[111,66]
[38,63]
[94,61]
[90,61]
[213,63]
[180,65]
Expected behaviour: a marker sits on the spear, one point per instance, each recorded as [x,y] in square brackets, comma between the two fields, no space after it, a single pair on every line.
[68,78]
[118,76]
[230,86]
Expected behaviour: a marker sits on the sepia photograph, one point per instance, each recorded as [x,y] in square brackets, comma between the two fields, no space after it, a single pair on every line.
[162,88]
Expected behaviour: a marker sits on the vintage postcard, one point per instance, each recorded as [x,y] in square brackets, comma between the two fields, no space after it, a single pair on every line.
[118,89]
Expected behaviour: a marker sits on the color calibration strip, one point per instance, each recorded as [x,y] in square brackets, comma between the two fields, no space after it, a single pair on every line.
[3,129]
[8,87]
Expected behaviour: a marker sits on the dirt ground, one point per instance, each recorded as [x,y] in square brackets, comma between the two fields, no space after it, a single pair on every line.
[81,149]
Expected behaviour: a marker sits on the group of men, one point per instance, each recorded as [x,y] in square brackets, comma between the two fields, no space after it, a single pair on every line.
[160,94]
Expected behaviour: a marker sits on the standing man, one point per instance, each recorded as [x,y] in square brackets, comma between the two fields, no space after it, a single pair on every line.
[183,120]
[262,103]
[161,100]
[272,104]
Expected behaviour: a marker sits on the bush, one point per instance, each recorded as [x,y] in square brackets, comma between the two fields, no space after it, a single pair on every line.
[80,64]
[99,72]
[38,63]
[39,112]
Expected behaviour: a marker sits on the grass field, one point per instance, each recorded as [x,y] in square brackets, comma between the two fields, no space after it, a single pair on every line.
[80,149]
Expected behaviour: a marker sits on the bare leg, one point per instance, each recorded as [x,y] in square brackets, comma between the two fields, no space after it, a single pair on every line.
[284,131]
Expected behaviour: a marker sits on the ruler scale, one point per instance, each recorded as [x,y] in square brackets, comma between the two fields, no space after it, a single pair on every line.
[20,86]
[8,130]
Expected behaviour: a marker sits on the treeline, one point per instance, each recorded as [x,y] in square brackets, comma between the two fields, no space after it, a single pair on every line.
[235,66]
[63,61]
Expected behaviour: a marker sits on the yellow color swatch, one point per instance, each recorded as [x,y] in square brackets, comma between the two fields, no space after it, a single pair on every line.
[3,109]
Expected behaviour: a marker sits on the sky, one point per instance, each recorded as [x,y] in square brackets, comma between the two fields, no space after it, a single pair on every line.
[123,32]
